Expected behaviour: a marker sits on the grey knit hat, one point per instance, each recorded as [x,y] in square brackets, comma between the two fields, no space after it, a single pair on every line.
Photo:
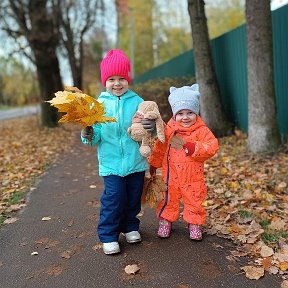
[184,98]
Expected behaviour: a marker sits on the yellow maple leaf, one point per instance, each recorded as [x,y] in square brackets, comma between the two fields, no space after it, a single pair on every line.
[283,266]
[79,107]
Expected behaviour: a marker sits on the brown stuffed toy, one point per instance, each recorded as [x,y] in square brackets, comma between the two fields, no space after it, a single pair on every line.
[149,110]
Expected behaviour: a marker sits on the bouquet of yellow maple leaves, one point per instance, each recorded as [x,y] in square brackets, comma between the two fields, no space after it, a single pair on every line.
[79,107]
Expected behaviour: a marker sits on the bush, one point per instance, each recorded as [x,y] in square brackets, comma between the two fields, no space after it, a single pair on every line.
[158,91]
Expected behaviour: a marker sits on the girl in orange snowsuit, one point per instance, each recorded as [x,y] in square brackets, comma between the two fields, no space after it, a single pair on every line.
[189,142]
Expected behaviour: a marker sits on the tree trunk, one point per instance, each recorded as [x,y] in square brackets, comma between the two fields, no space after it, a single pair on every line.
[43,40]
[49,83]
[263,134]
[210,104]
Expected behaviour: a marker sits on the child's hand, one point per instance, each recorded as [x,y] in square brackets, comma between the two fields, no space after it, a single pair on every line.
[189,148]
[87,133]
[152,170]
[148,125]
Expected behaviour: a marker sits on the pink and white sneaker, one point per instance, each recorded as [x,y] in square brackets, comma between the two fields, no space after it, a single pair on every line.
[195,232]
[164,228]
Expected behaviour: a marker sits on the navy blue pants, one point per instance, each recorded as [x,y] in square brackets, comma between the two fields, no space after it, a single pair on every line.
[120,204]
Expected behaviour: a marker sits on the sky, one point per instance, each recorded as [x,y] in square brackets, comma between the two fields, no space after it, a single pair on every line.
[278,3]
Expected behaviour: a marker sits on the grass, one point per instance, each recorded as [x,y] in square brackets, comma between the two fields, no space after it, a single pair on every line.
[2,218]
[246,214]
[5,107]
[15,198]
[271,237]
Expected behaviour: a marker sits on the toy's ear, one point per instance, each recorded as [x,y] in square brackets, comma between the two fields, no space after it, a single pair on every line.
[172,89]
[195,87]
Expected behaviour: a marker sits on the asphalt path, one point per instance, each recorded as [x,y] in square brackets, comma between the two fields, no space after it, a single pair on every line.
[69,253]
[19,112]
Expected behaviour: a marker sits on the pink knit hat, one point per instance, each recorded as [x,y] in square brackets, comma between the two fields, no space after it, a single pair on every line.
[115,63]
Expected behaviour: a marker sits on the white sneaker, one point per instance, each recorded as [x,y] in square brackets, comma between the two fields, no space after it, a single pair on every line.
[111,248]
[133,237]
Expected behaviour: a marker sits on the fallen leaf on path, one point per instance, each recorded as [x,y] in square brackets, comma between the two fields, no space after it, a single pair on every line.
[55,270]
[132,269]
[266,263]
[94,203]
[253,273]
[10,220]
[67,254]
[49,243]
[16,207]
[266,251]
[283,266]
[97,247]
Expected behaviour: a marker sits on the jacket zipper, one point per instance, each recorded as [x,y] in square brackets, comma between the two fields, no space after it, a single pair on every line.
[120,138]
[167,180]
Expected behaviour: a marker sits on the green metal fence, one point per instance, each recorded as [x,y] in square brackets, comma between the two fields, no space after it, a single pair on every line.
[230,59]
[182,65]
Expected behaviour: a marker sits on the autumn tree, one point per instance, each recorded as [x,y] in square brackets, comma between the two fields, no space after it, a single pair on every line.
[211,107]
[224,15]
[34,22]
[171,30]
[76,19]
[135,32]
[25,92]
[263,134]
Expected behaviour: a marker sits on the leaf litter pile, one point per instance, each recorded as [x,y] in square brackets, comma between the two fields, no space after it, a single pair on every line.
[26,150]
[248,204]
[247,194]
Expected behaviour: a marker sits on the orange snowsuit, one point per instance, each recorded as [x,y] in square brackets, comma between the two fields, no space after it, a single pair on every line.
[184,175]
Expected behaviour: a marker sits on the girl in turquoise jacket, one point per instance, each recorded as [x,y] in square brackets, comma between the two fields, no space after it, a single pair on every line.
[120,162]
[118,154]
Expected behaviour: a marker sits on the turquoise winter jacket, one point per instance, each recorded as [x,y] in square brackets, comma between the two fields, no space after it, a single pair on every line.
[118,154]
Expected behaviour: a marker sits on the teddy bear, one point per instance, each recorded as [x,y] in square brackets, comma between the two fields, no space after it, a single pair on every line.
[149,110]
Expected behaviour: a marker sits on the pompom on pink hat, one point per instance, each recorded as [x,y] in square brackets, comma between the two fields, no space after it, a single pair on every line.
[115,63]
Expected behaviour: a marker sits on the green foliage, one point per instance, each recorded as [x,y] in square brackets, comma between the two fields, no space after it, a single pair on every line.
[270,236]
[18,84]
[2,218]
[92,58]
[265,224]
[273,237]
[135,30]
[15,198]
[223,16]
[245,214]
[172,30]
[175,42]
[158,90]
